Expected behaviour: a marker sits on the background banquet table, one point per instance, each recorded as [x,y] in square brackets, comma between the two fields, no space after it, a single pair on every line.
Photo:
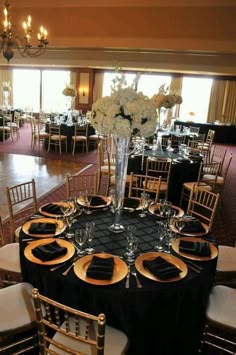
[180,171]
[159,318]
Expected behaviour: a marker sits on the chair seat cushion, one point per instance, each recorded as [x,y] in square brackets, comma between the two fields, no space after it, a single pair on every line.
[115,341]
[222,306]
[10,257]
[16,306]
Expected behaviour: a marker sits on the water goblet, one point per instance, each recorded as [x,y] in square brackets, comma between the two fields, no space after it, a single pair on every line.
[145,199]
[132,245]
[90,228]
[81,236]
[161,231]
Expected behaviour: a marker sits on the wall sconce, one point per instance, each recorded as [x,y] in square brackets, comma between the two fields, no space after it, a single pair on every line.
[83,94]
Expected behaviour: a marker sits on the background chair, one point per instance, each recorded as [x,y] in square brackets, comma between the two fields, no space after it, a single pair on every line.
[81,332]
[18,329]
[56,139]
[38,133]
[218,154]
[19,212]
[77,183]
[202,205]
[160,167]
[220,329]
[10,269]
[5,129]
[80,136]
[144,183]
[226,266]
[207,145]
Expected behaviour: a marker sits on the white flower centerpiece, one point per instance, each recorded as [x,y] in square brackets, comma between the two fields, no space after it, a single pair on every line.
[70,92]
[6,88]
[123,114]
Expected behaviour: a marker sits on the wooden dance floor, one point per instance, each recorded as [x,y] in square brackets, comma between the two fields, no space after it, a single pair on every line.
[48,173]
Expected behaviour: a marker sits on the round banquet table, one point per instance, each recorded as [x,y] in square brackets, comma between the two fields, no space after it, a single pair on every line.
[159,318]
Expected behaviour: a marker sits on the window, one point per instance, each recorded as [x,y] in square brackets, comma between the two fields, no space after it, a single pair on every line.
[26,89]
[150,84]
[196,95]
[107,82]
[53,82]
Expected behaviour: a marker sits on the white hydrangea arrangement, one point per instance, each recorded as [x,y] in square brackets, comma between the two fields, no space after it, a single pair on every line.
[6,86]
[69,90]
[166,99]
[124,113]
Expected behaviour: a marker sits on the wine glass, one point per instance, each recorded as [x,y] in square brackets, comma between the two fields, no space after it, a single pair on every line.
[66,210]
[90,228]
[180,223]
[132,245]
[81,236]
[88,199]
[161,231]
[145,199]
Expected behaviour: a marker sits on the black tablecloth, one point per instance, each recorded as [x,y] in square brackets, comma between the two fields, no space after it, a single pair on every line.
[160,318]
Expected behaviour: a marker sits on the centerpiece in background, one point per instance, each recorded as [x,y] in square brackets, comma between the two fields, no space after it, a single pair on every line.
[124,114]
[6,89]
[70,94]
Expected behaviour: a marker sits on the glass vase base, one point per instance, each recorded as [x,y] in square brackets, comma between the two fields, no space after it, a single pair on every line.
[116,228]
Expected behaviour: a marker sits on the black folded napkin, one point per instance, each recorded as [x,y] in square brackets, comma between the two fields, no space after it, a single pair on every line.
[97,201]
[161,268]
[42,228]
[192,226]
[49,251]
[52,208]
[100,268]
[130,203]
[196,248]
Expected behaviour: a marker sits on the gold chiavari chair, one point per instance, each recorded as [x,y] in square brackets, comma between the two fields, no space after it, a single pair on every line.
[80,137]
[220,330]
[81,182]
[18,328]
[202,205]
[144,183]
[62,328]
[160,167]
[19,211]
[10,269]
[56,138]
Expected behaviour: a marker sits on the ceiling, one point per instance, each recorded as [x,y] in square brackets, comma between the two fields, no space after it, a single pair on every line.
[160,35]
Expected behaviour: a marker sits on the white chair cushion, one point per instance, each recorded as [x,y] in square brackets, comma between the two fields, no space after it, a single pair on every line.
[226,259]
[115,341]
[10,257]
[222,306]
[16,306]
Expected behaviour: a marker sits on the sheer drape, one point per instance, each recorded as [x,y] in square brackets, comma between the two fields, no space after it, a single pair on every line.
[98,86]
[176,87]
[229,105]
[216,102]
[6,75]
[73,83]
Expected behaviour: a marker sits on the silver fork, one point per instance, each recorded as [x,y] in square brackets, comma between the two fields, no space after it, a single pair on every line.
[138,283]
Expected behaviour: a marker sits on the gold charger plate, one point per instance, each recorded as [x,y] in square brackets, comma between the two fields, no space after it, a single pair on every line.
[59,203]
[175,229]
[107,201]
[119,273]
[175,247]
[63,243]
[154,206]
[60,227]
[168,257]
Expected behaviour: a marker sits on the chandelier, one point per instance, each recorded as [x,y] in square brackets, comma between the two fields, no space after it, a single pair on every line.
[9,39]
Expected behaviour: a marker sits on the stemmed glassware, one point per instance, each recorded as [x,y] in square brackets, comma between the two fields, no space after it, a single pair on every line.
[132,245]
[81,236]
[161,232]
[145,199]
[88,199]
[90,228]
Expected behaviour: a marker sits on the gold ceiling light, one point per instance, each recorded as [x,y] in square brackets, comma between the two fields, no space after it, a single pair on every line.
[10,40]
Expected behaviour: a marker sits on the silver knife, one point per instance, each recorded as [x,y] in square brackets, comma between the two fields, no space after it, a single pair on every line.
[127,278]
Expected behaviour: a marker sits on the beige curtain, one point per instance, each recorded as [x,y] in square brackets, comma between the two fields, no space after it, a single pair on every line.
[98,86]
[6,76]
[215,110]
[229,104]
[176,87]
[73,82]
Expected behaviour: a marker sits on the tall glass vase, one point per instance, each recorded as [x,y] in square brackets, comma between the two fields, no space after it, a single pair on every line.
[122,155]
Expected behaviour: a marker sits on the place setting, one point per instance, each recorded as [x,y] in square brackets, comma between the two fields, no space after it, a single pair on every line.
[44,227]
[91,202]
[57,209]
[189,226]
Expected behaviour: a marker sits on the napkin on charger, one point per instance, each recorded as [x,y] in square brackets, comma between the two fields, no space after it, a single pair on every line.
[97,201]
[130,203]
[100,268]
[42,228]
[192,225]
[49,251]
[52,208]
[161,268]
[195,248]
